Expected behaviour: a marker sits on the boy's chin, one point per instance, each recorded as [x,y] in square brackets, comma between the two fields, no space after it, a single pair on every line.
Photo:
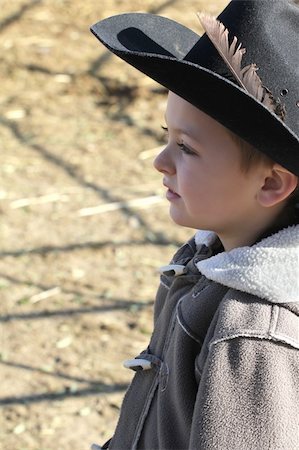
[184,221]
[180,219]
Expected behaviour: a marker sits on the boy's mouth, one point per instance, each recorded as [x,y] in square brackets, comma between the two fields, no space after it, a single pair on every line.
[170,194]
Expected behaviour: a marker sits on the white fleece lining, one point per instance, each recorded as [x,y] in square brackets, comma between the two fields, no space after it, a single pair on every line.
[203,237]
[268,269]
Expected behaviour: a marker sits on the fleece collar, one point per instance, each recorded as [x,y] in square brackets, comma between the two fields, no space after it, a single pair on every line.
[268,269]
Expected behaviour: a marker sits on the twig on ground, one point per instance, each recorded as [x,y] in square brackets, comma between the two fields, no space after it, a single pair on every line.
[140,203]
[48,198]
[45,294]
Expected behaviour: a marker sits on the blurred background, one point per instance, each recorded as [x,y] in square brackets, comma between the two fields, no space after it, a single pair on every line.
[84,224]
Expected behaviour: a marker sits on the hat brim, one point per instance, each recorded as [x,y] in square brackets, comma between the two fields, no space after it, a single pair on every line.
[159,47]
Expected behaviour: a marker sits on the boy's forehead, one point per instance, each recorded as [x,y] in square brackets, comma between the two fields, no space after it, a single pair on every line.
[179,109]
[182,116]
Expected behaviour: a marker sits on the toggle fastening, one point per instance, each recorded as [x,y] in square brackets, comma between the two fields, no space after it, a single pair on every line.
[137,364]
[173,269]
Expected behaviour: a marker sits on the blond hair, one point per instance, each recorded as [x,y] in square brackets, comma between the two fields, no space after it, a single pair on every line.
[249,155]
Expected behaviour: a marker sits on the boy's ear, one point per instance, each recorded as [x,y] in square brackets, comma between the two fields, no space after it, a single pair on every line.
[278,185]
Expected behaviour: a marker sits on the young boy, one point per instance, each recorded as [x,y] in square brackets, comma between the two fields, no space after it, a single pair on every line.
[221,370]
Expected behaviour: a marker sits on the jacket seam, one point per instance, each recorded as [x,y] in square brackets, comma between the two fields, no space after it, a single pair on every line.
[164,285]
[191,335]
[276,337]
[285,338]
[145,410]
[273,320]
[275,312]
[153,388]
[198,372]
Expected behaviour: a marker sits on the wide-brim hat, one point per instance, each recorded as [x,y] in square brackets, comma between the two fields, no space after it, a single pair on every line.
[190,66]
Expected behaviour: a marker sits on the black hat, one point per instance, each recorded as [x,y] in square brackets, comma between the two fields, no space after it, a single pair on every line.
[191,67]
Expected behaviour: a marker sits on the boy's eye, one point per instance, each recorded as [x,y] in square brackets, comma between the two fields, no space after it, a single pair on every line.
[185,149]
[181,145]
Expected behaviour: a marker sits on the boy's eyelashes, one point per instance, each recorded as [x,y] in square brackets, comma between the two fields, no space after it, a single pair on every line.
[185,149]
[181,145]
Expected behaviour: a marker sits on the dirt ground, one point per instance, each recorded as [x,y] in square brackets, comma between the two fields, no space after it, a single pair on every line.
[84,223]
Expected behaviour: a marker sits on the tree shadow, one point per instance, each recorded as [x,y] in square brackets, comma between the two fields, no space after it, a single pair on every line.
[155,239]
[125,93]
[69,312]
[100,388]
[56,374]
[74,292]
[74,173]
[14,17]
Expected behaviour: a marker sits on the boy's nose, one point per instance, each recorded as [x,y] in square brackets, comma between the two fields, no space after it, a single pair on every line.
[163,162]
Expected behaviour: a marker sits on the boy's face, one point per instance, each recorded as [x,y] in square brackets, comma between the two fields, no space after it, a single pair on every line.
[201,168]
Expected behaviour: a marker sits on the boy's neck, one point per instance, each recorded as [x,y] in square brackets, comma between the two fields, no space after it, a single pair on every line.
[249,233]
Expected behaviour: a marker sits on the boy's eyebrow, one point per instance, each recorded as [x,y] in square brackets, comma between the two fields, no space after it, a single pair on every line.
[187,131]
[178,129]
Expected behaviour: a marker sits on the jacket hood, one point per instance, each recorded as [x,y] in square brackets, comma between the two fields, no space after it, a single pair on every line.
[268,269]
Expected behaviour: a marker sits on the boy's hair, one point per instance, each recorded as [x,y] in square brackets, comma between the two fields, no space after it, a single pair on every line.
[250,157]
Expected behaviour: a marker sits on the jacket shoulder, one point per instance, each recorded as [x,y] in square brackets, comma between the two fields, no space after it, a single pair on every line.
[245,315]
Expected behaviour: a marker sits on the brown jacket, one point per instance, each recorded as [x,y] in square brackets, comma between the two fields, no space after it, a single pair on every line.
[221,371]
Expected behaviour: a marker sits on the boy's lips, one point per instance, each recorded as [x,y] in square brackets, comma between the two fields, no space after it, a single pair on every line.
[171,194]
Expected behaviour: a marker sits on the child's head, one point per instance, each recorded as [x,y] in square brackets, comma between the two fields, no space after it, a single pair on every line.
[246,179]
[213,180]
